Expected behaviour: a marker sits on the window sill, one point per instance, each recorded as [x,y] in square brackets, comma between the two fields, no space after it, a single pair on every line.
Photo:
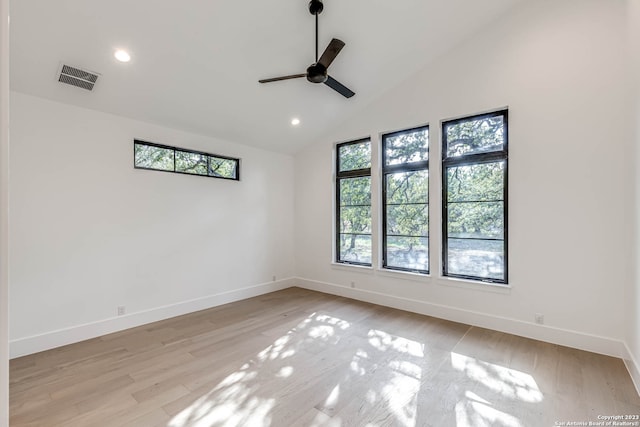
[474,285]
[367,269]
[406,275]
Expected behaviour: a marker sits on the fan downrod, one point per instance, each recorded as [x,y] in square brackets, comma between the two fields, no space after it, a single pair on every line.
[316,7]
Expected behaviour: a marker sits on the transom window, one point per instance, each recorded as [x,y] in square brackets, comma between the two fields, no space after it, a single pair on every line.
[474,194]
[405,198]
[165,158]
[353,202]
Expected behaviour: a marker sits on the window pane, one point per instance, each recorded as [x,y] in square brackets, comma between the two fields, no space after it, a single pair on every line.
[353,222]
[355,219]
[223,168]
[354,156]
[355,248]
[407,147]
[410,253]
[481,220]
[408,187]
[148,156]
[476,258]
[191,163]
[475,136]
[408,220]
[483,181]
[355,191]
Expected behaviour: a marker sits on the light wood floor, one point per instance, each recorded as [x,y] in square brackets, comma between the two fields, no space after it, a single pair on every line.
[301,358]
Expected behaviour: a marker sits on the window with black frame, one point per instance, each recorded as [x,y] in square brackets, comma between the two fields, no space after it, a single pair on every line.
[148,155]
[405,198]
[353,202]
[474,195]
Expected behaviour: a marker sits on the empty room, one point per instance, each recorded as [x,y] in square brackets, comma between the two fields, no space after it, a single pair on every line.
[320,213]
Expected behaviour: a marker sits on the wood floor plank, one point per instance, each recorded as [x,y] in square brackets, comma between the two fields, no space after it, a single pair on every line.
[302,358]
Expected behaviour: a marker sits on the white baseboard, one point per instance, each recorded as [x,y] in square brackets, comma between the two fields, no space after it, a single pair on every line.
[564,337]
[633,367]
[579,340]
[60,337]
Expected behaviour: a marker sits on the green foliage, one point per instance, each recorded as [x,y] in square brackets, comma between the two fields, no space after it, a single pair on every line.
[407,201]
[475,199]
[355,191]
[475,136]
[477,182]
[355,219]
[407,205]
[148,156]
[224,168]
[475,194]
[191,163]
[483,220]
[354,224]
[407,147]
[354,156]
[152,157]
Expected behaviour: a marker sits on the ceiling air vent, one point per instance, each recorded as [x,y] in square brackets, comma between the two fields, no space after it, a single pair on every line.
[77,77]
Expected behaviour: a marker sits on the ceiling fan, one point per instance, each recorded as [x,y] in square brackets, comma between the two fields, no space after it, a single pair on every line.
[317,72]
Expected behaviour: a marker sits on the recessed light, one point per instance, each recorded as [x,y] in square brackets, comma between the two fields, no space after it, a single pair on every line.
[122,55]
[295,121]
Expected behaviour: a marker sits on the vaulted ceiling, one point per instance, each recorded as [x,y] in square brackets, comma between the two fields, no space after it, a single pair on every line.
[196,64]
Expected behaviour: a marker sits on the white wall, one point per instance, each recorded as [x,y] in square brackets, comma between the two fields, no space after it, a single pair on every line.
[90,233]
[4,212]
[633,298]
[559,68]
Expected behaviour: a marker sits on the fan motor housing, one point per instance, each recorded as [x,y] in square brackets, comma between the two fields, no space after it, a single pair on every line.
[317,73]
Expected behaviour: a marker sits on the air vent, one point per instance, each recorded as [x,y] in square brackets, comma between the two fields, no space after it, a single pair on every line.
[77,77]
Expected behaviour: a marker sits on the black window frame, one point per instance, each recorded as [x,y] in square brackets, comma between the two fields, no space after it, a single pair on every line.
[421,165]
[355,173]
[474,159]
[186,150]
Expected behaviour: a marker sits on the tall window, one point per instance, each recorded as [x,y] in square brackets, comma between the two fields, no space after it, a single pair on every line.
[474,195]
[353,202]
[405,198]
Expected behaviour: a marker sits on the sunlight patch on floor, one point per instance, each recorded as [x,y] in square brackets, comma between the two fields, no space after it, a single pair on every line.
[400,395]
[334,321]
[234,400]
[472,410]
[383,341]
[508,382]
[274,350]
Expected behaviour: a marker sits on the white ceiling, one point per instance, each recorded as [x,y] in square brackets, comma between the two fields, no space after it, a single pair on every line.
[195,64]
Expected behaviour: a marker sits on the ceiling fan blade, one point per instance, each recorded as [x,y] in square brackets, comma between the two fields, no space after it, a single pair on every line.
[277,79]
[330,53]
[339,87]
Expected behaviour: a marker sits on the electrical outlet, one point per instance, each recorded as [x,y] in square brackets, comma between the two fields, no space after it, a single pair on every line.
[353,284]
[539,318]
[273,278]
[121,310]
